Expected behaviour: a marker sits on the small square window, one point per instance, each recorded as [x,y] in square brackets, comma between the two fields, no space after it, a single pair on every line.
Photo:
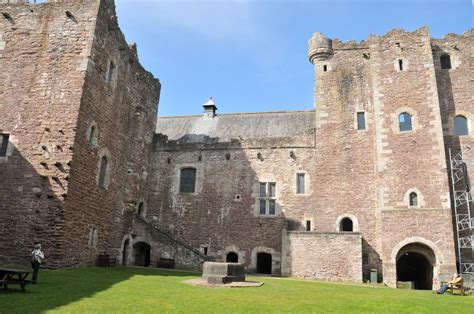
[445,62]
[361,121]
[325,68]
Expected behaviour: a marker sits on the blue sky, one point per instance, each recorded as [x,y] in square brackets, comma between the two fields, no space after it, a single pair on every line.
[250,55]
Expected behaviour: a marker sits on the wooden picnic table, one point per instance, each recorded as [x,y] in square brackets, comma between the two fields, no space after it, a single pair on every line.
[14,277]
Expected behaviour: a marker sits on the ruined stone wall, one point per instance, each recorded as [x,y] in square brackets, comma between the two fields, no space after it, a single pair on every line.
[323,256]
[55,61]
[223,213]
[42,57]
[122,105]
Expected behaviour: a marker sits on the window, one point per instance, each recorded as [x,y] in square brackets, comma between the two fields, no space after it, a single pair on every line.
[93,236]
[93,135]
[232,257]
[413,199]
[187,183]
[325,68]
[404,120]
[346,225]
[267,198]
[103,171]
[4,138]
[445,61]
[308,225]
[110,73]
[400,64]
[361,121]
[460,126]
[300,188]
[141,209]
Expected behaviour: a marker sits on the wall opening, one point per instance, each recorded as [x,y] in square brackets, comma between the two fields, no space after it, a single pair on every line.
[460,126]
[232,257]
[400,64]
[141,209]
[103,171]
[325,68]
[413,199]
[308,225]
[361,121]
[126,245]
[142,254]
[445,61]
[415,266]
[346,225]
[187,183]
[404,121]
[264,263]
[4,138]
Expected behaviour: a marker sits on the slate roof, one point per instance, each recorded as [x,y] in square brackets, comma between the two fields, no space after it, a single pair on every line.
[236,125]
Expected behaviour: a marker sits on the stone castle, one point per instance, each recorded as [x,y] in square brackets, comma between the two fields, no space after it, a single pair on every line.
[361,188]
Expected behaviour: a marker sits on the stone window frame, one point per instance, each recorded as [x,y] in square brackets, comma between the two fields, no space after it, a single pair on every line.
[465,114]
[256,195]
[443,55]
[356,121]
[267,198]
[93,237]
[180,187]
[355,223]
[307,183]
[419,195]
[94,141]
[311,220]
[395,120]
[396,64]
[177,178]
[233,248]
[104,152]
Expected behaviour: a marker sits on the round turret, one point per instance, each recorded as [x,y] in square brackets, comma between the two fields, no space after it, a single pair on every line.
[319,47]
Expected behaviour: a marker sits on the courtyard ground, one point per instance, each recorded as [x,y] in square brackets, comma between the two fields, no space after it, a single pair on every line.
[143,290]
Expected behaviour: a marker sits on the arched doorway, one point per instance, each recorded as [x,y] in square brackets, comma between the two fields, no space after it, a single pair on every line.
[264,263]
[126,244]
[346,225]
[415,263]
[142,254]
[232,257]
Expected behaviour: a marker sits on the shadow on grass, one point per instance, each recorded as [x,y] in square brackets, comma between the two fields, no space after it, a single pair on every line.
[57,288]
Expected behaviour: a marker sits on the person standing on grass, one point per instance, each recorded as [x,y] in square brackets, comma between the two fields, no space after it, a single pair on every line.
[37,257]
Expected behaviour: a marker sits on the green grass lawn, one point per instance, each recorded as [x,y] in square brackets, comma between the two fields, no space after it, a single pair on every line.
[142,290]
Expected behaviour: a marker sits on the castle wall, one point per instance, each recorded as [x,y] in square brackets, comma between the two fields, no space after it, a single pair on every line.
[313,255]
[55,60]
[122,105]
[223,214]
[42,55]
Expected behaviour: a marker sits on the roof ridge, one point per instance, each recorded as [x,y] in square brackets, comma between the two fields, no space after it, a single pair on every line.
[240,113]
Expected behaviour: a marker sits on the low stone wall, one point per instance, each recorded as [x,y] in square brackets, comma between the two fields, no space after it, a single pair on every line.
[323,256]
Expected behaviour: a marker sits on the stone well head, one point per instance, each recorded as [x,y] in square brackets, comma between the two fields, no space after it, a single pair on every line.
[222,273]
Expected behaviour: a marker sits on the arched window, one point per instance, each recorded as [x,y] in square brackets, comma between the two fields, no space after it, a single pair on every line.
[445,61]
[460,125]
[103,171]
[141,209]
[187,182]
[404,121]
[346,225]
[413,199]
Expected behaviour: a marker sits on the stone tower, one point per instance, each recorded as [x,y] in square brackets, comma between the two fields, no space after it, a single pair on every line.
[78,112]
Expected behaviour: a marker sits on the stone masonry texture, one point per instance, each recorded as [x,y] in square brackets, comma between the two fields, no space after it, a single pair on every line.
[73,93]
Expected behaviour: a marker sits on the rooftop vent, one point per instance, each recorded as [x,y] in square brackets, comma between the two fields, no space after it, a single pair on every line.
[209,109]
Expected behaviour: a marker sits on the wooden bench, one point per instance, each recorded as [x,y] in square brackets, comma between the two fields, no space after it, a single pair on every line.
[7,277]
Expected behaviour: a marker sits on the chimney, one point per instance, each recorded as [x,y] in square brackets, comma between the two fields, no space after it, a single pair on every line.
[209,109]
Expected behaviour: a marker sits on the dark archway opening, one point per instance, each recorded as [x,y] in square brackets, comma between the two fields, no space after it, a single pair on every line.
[125,252]
[142,254]
[232,257]
[346,225]
[264,263]
[416,268]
